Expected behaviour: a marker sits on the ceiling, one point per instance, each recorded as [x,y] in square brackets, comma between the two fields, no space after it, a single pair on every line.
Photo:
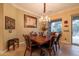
[37,8]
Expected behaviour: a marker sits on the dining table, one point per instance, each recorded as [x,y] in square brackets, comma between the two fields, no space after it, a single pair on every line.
[40,40]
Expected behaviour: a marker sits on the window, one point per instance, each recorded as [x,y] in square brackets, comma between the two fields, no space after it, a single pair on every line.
[56,26]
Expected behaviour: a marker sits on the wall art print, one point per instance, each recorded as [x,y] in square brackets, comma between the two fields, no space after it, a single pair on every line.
[9,23]
[30,21]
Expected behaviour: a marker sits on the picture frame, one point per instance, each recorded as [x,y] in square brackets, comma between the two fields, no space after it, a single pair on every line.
[66,30]
[65,25]
[9,23]
[30,21]
[65,22]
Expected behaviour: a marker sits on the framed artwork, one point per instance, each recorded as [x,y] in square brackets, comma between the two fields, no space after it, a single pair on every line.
[66,30]
[30,21]
[65,22]
[9,23]
[65,25]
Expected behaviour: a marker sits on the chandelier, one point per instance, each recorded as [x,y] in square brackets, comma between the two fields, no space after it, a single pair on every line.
[44,20]
[44,17]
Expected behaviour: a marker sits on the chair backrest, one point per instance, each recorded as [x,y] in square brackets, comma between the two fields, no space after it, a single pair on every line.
[40,33]
[33,33]
[27,40]
[53,33]
[58,37]
[52,39]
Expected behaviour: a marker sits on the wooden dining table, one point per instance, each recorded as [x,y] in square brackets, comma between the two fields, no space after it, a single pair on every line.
[40,40]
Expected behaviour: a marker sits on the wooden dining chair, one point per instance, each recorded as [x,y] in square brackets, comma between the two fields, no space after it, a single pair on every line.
[56,42]
[52,44]
[49,47]
[29,45]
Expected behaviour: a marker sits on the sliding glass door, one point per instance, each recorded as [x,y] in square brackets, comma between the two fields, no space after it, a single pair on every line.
[75,30]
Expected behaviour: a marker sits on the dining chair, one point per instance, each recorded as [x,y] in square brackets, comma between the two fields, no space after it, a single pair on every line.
[40,33]
[33,33]
[29,45]
[56,42]
[52,44]
[48,47]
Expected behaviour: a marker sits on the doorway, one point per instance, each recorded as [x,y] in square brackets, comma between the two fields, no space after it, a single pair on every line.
[75,30]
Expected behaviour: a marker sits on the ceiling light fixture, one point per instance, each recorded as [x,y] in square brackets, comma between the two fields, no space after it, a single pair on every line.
[44,17]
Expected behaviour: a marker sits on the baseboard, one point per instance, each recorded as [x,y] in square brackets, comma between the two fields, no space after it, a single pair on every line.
[65,42]
[3,51]
[22,43]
